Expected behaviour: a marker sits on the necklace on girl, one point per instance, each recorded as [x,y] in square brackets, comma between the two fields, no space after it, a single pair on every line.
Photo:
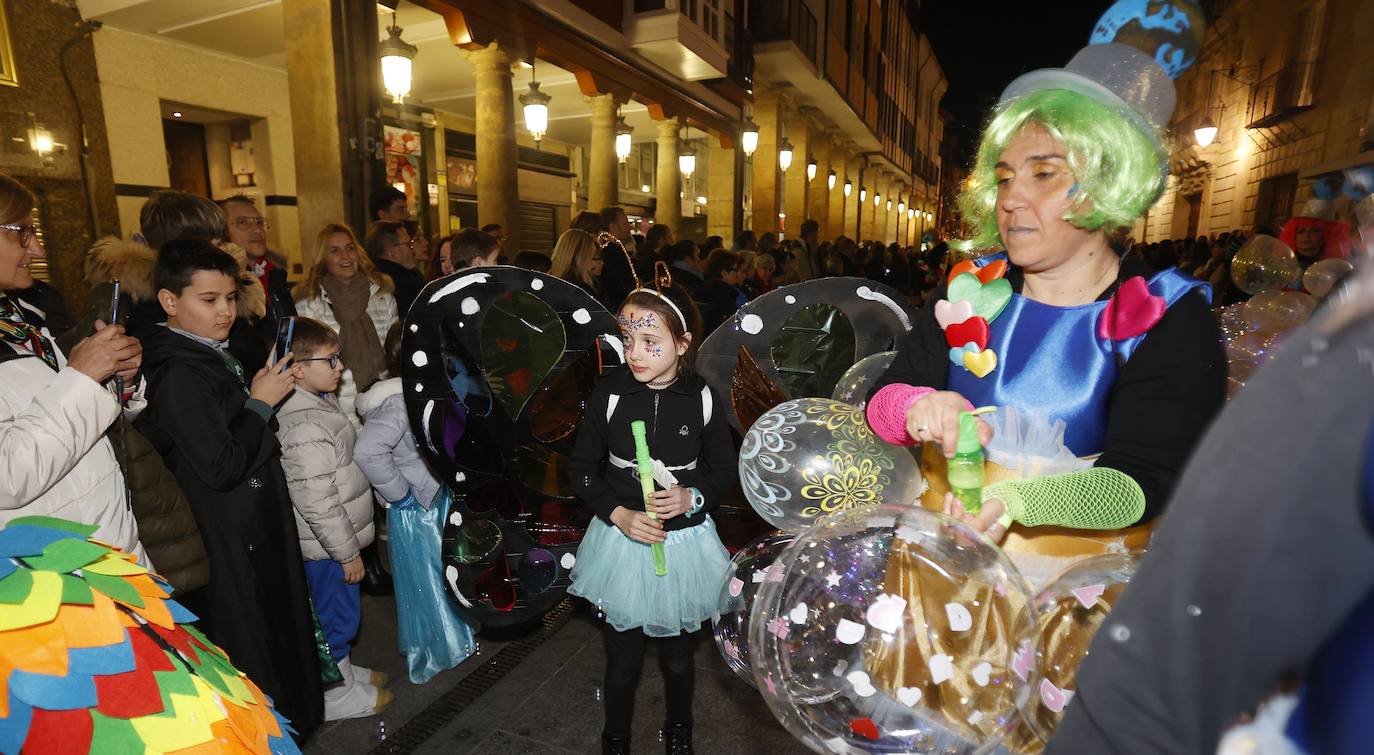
[663,383]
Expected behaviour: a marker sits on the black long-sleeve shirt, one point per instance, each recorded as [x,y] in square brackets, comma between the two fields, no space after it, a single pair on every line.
[1165,395]
[678,433]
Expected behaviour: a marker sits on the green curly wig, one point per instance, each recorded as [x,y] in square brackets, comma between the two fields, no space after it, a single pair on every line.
[1120,169]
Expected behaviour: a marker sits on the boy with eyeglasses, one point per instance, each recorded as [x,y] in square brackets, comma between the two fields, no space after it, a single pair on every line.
[332,499]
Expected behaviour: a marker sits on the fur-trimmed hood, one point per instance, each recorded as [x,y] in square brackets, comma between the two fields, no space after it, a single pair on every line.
[133,264]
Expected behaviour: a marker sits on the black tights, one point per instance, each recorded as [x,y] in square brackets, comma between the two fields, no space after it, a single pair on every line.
[625,658]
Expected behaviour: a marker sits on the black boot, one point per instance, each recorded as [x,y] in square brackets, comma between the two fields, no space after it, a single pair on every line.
[677,739]
[376,582]
[615,745]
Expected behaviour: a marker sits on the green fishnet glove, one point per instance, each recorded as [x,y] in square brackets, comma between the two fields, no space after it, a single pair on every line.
[1091,499]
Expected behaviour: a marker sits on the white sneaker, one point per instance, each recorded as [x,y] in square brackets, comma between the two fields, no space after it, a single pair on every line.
[352,698]
[369,676]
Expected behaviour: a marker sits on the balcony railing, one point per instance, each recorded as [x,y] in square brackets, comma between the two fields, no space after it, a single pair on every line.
[787,20]
[1282,94]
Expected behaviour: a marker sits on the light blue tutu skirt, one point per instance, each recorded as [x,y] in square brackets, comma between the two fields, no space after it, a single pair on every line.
[617,574]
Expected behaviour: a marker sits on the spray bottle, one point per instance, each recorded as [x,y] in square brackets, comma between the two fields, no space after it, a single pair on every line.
[645,464]
[965,470]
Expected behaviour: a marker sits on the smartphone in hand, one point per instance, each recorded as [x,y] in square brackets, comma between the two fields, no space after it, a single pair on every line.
[286,331]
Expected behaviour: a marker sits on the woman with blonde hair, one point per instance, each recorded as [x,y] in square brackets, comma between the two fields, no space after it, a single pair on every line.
[344,291]
[577,259]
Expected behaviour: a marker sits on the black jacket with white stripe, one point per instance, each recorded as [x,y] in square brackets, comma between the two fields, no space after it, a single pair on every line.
[687,430]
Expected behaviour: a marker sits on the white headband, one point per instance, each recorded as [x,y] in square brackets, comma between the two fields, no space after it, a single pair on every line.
[681,318]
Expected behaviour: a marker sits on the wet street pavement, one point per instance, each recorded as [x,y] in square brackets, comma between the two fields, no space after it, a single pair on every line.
[538,691]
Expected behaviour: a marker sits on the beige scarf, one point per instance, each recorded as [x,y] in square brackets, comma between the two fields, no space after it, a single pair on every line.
[361,349]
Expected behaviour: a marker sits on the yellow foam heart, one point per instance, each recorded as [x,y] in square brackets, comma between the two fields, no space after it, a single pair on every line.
[981,363]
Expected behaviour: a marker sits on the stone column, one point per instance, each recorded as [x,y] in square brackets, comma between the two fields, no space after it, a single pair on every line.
[867,211]
[795,203]
[603,186]
[669,178]
[853,212]
[767,109]
[315,117]
[839,162]
[721,192]
[818,204]
[498,189]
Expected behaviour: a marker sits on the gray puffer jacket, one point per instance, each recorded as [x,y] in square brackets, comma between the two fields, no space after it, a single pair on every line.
[386,447]
[332,498]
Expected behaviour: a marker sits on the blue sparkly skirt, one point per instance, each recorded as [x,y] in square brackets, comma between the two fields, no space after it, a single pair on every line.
[617,574]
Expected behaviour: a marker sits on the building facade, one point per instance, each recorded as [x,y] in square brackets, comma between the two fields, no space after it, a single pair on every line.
[1289,88]
[285,102]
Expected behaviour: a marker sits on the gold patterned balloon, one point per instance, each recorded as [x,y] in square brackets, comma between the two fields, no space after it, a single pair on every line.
[811,457]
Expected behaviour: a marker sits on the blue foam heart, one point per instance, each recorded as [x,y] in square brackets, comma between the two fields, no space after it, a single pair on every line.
[956,356]
[28,540]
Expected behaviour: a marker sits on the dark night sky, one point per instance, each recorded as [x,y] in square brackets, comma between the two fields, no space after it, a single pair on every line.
[982,46]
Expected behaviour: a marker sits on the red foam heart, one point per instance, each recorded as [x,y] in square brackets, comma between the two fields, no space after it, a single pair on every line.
[987,273]
[865,728]
[128,695]
[1131,312]
[992,271]
[974,330]
[959,269]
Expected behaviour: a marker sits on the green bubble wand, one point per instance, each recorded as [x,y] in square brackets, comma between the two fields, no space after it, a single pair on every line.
[646,485]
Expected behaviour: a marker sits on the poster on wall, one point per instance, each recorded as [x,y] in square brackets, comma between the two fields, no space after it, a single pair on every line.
[402,151]
[462,175]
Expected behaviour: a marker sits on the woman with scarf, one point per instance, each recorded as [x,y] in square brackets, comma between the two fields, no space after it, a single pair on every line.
[344,291]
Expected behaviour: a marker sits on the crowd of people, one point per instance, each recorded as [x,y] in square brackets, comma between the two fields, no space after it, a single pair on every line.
[254,472]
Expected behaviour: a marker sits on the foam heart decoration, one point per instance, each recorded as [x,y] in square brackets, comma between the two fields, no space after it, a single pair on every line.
[941,668]
[957,355]
[736,586]
[863,686]
[949,313]
[865,728]
[988,299]
[798,613]
[1134,309]
[973,330]
[981,363]
[989,272]
[849,632]
[1088,594]
[982,673]
[909,696]
[885,614]
[1054,698]
[1023,661]
[960,620]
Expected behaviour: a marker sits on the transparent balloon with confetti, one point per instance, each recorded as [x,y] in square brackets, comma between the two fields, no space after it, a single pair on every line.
[894,629]
[1264,264]
[749,568]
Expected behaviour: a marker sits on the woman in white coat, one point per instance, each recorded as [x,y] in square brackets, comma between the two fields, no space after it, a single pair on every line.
[54,457]
[344,291]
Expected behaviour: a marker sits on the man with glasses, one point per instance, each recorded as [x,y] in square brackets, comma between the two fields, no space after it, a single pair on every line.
[393,252]
[248,229]
[387,203]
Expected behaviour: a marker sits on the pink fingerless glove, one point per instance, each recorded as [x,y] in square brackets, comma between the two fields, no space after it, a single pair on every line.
[887,411]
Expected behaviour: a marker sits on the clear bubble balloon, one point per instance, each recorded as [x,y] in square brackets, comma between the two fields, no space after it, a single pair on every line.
[1071,609]
[858,380]
[1279,309]
[1264,264]
[894,629]
[750,567]
[810,457]
[1324,275]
